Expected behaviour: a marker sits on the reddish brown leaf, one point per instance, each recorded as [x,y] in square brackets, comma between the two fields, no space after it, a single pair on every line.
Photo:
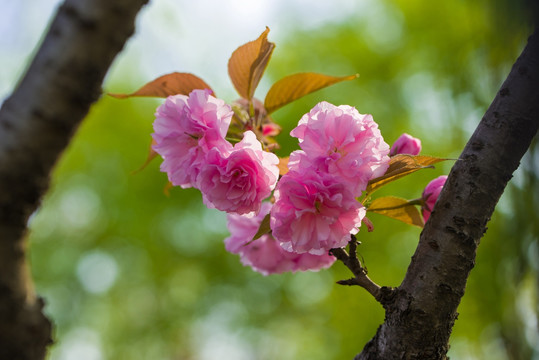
[166,189]
[295,86]
[283,165]
[397,208]
[402,165]
[170,84]
[151,155]
[247,64]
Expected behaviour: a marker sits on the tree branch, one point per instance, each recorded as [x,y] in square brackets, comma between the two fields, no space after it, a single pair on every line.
[36,124]
[420,318]
[382,294]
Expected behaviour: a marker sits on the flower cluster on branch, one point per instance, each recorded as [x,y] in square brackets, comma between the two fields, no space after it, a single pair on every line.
[293,213]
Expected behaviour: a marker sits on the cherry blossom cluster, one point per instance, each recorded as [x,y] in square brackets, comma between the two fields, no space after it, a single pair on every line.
[190,135]
[314,207]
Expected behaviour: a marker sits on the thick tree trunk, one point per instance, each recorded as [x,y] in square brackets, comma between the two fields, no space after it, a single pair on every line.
[36,124]
[420,317]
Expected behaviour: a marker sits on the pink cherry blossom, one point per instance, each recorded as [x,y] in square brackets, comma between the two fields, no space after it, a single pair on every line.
[341,141]
[306,261]
[430,195]
[314,212]
[185,129]
[264,254]
[240,180]
[406,144]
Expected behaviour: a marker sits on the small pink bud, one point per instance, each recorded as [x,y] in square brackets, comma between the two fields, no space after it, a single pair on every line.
[406,144]
[271,129]
[368,223]
[430,195]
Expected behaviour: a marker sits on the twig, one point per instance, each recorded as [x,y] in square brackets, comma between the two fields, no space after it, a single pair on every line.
[360,278]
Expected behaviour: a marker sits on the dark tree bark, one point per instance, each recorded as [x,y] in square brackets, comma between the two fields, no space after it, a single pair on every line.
[421,313]
[36,124]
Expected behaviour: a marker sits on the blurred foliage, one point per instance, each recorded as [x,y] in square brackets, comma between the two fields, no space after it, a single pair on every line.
[129,273]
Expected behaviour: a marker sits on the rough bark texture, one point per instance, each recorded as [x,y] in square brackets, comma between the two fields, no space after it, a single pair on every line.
[420,318]
[36,124]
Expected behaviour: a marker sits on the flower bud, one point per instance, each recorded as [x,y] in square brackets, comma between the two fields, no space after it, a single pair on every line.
[406,144]
[430,195]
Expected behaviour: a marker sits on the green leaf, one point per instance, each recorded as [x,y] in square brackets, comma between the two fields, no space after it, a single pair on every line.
[397,208]
[295,86]
[169,84]
[247,64]
[264,228]
[400,166]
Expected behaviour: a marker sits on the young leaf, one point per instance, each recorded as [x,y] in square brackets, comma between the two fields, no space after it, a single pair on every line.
[397,208]
[295,86]
[247,64]
[283,165]
[170,84]
[402,165]
[151,155]
[264,227]
[166,189]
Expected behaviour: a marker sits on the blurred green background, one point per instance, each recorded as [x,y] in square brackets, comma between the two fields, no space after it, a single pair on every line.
[129,273]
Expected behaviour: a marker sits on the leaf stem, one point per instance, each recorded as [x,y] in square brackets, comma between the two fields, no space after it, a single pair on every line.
[232,140]
[418,201]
